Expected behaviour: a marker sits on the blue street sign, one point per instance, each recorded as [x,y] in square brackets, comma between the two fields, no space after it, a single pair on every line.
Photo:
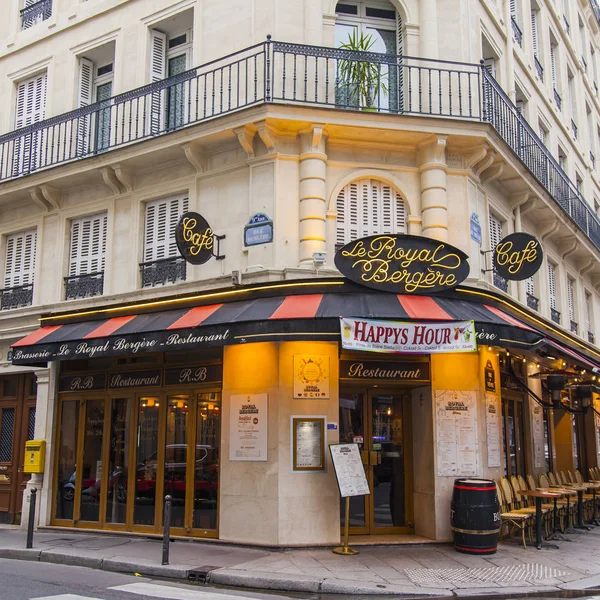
[475,228]
[259,230]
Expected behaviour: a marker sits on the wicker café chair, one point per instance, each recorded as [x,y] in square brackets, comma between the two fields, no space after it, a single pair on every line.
[512,519]
[524,503]
[570,503]
[553,479]
[560,506]
[588,498]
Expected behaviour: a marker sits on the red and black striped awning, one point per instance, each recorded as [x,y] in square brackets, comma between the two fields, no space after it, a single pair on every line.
[282,318]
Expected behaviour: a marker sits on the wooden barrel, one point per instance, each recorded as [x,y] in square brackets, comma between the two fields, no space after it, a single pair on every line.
[475,516]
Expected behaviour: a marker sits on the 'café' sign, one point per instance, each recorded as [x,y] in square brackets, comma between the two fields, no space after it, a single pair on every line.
[518,256]
[403,264]
[195,238]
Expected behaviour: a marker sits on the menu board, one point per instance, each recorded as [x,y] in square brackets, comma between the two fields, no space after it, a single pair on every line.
[349,470]
[456,428]
[492,428]
[248,427]
[308,443]
[539,439]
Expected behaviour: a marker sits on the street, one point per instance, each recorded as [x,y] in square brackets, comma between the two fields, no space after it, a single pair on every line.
[21,580]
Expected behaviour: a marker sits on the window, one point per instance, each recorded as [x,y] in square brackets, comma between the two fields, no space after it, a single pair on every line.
[537,55]
[594,67]
[571,304]
[495,232]
[565,14]
[590,134]
[170,56]
[543,133]
[162,262]
[588,317]
[368,207]
[30,108]
[583,44]
[532,300]
[19,270]
[95,86]
[554,314]
[86,257]
[34,12]
[554,71]
[572,106]
[514,19]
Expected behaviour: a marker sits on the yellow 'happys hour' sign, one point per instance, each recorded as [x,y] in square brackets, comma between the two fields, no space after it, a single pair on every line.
[311,376]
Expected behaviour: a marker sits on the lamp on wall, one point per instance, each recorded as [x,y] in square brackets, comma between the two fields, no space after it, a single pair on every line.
[555,385]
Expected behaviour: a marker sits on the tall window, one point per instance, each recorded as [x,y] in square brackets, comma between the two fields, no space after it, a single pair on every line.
[532,299]
[555,71]
[379,20]
[572,100]
[495,232]
[86,257]
[162,262]
[514,18]
[588,317]
[571,304]
[594,67]
[30,108]
[554,314]
[170,55]
[368,207]
[34,12]
[19,269]
[535,41]
[95,85]
[583,43]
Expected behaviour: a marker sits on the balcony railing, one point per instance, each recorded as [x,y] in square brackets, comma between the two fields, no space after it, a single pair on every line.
[500,282]
[573,326]
[557,99]
[282,73]
[532,302]
[555,315]
[84,286]
[591,337]
[539,68]
[16,297]
[516,31]
[36,13]
[160,272]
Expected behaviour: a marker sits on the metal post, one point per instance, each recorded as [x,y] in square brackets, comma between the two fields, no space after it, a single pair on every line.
[30,523]
[166,530]
[345,550]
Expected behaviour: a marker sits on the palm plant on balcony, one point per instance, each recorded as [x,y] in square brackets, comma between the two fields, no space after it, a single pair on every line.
[362,79]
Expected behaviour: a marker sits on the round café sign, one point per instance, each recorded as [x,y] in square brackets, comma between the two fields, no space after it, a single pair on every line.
[195,238]
[518,256]
[403,264]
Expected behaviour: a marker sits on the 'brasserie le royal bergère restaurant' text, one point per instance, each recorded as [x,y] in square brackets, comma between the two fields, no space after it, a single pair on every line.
[227,401]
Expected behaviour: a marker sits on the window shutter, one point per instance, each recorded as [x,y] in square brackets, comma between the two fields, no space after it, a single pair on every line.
[513,9]
[588,312]
[553,64]
[85,91]
[162,217]
[534,33]
[158,61]
[495,230]
[552,285]
[88,245]
[20,259]
[530,286]
[368,207]
[571,299]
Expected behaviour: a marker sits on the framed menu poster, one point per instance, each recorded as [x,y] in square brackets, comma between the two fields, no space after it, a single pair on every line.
[308,443]
[349,470]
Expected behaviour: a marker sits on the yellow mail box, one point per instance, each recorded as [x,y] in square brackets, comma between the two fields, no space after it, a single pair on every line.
[35,451]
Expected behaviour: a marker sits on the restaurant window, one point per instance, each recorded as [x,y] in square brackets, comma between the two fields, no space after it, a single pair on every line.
[86,257]
[495,233]
[162,262]
[19,269]
[368,207]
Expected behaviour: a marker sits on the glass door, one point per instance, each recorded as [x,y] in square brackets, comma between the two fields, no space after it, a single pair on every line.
[378,421]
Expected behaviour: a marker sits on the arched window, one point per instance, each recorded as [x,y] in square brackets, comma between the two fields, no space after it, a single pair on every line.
[368,207]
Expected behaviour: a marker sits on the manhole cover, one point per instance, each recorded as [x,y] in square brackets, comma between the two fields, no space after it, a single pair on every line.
[484,574]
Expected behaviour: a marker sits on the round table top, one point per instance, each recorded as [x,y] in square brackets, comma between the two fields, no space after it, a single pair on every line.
[539,493]
[560,491]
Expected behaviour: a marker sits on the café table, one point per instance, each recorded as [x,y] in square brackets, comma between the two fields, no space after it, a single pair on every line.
[593,486]
[556,532]
[580,488]
[539,496]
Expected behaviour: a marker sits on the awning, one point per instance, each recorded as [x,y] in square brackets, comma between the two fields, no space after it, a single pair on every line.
[281,318]
[552,345]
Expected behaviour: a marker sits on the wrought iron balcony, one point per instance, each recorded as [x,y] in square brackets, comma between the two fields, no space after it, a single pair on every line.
[500,282]
[573,326]
[557,99]
[555,315]
[161,272]
[574,128]
[16,297]
[295,74]
[84,286]
[539,68]
[532,302]
[591,337]
[516,31]
[36,13]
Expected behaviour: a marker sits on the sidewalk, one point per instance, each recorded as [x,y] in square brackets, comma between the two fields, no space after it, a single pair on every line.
[417,570]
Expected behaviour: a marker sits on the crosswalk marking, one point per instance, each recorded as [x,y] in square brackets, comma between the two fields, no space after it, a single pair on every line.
[170,593]
[67,597]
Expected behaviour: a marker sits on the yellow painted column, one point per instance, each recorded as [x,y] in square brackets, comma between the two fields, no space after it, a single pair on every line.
[434,196]
[313,192]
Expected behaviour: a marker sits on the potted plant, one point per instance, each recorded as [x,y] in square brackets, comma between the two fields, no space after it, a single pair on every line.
[361,79]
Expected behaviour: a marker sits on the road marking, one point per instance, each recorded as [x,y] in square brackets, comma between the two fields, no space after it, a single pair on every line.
[67,597]
[172,593]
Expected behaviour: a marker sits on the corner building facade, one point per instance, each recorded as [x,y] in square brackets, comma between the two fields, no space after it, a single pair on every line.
[142,368]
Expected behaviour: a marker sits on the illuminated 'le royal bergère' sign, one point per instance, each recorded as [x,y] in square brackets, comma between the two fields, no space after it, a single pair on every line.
[518,256]
[403,264]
